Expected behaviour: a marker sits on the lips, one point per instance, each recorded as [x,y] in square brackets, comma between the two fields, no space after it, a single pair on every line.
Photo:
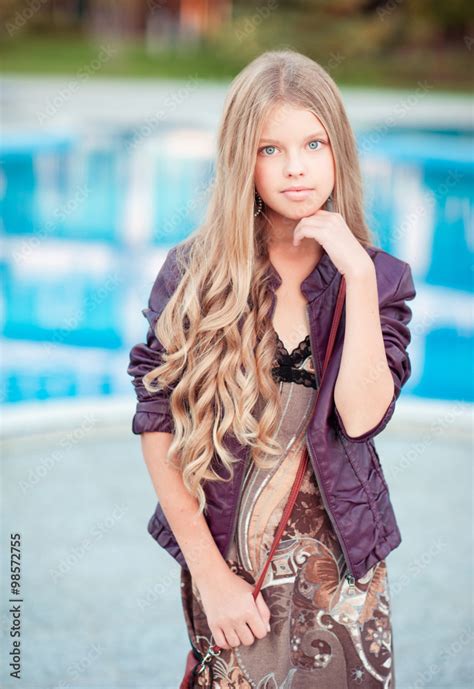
[297,189]
[297,193]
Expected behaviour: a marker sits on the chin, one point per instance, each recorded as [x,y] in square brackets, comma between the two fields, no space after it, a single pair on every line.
[301,211]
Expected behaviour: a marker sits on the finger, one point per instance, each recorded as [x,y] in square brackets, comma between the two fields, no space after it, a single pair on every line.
[258,626]
[298,237]
[219,638]
[258,622]
[304,232]
[264,610]
[311,224]
[245,635]
[231,637]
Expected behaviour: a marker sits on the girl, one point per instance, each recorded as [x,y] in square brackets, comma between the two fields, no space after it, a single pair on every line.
[239,318]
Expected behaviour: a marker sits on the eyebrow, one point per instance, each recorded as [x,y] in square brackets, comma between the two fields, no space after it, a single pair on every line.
[310,136]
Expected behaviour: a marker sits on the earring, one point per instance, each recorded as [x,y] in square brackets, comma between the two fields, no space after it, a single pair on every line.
[259,201]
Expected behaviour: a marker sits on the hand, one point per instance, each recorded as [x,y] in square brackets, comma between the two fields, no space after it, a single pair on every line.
[233,616]
[332,232]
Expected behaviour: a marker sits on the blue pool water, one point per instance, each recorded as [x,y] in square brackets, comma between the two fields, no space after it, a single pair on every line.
[87,220]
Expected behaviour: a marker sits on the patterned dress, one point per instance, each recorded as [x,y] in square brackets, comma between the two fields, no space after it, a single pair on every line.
[324,632]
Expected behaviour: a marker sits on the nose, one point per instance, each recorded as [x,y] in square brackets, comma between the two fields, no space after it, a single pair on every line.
[294,166]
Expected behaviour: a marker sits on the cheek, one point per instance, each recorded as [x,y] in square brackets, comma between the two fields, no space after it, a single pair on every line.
[264,175]
[259,174]
[328,163]
[260,178]
[256,173]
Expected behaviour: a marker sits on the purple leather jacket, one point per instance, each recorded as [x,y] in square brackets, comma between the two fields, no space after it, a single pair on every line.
[347,468]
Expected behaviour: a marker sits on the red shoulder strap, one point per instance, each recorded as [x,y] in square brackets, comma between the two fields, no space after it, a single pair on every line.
[215,650]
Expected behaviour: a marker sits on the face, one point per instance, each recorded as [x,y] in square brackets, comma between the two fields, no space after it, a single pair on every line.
[294,151]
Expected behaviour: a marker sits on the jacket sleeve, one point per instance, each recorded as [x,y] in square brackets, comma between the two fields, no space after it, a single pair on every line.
[395,315]
[152,410]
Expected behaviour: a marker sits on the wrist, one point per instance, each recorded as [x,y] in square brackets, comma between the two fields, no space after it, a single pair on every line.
[210,571]
[362,271]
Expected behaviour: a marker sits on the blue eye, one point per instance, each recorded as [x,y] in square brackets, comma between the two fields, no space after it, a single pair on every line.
[314,141]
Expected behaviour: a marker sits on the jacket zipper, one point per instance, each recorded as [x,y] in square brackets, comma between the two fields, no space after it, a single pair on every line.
[348,576]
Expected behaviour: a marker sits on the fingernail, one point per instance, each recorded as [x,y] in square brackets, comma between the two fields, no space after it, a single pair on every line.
[268,628]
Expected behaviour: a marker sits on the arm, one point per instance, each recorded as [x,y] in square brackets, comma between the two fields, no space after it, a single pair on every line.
[375,364]
[192,533]
[233,615]
[152,409]
[153,421]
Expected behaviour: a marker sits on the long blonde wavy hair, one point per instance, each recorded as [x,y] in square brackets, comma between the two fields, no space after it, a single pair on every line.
[216,372]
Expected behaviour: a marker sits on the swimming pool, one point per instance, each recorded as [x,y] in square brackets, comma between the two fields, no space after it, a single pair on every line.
[87,219]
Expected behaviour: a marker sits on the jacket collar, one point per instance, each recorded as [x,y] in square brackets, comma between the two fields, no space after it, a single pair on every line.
[315,283]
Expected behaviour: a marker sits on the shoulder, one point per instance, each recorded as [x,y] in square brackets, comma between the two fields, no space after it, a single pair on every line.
[169,275]
[393,274]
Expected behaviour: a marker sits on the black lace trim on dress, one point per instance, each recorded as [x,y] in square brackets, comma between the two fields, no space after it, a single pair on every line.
[297,366]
